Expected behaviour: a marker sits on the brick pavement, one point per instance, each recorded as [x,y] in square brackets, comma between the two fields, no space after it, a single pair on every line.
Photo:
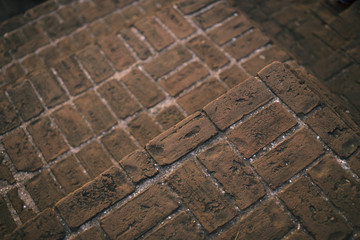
[85,97]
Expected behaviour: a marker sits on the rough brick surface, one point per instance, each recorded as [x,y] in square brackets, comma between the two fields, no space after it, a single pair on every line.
[190,6]
[9,119]
[23,211]
[92,233]
[7,223]
[214,15]
[5,174]
[297,235]
[169,116]
[144,128]
[142,51]
[355,163]
[233,75]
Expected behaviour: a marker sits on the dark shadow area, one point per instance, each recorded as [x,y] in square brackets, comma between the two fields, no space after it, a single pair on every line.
[11,8]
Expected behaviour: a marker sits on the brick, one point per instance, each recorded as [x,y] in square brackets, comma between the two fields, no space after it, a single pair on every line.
[179,227]
[334,132]
[122,3]
[6,175]
[339,185]
[209,206]
[99,29]
[184,78]
[9,118]
[317,215]
[175,22]
[7,223]
[181,139]
[5,56]
[118,144]
[84,203]
[90,11]
[191,6]
[214,15]
[92,233]
[334,40]
[289,88]
[268,221]
[14,72]
[167,61]
[237,179]
[157,36]
[143,128]
[66,46]
[115,21]
[297,235]
[72,125]
[143,88]
[71,23]
[139,46]
[22,153]
[82,38]
[233,75]
[238,102]
[95,112]
[73,77]
[32,63]
[119,99]
[41,9]
[152,5]
[138,165]
[148,208]
[94,159]
[169,116]
[50,55]
[44,226]
[49,88]
[117,52]
[198,97]
[47,137]
[246,44]
[132,14]
[95,64]
[23,211]
[354,163]
[43,190]
[207,52]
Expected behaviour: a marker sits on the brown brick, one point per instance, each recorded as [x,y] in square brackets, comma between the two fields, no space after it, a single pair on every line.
[92,233]
[71,22]
[139,46]
[118,144]
[90,11]
[119,99]
[167,61]
[158,37]
[143,128]
[148,208]
[152,5]
[7,223]
[14,72]
[117,52]
[214,15]
[175,22]
[32,63]
[5,56]
[143,88]
[22,153]
[268,221]
[179,227]
[72,125]
[43,190]
[82,38]
[184,78]
[72,76]
[24,212]
[50,55]
[5,174]
[94,159]
[209,206]
[45,226]
[261,129]
[115,21]
[198,97]
[9,119]
[297,235]
[237,179]
[169,116]
[191,6]
[66,46]
[95,111]
[207,52]
[233,75]
[238,102]
[81,205]
[47,138]
[317,215]
[95,64]
[138,165]
[334,132]
[354,163]
[132,13]
[100,29]
[290,89]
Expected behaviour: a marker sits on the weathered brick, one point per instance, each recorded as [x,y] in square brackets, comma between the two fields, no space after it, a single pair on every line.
[5,174]
[152,5]
[191,6]
[66,46]
[69,174]
[290,89]
[81,205]
[72,76]
[334,132]
[118,144]
[43,190]
[233,75]
[90,11]
[167,61]
[92,233]
[238,102]
[148,208]
[340,186]
[175,22]
[95,111]
[354,163]
[143,88]
[119,99]
[169,116]
[14,72]
[297,235]
[158,37]
[288,158]
[132,13]
[138,165]
[198,97]
[9,118]
[139,46]
[50,55]
[47,138]
[82,38]
[22,153]
[184,78]
[122,3]
[268,221]
[317,215]
[207,52]
[117,52]
[5,56]
[32,63]
[72,125]
[7,223]
[115,21]
[179,227]
[237,179]
[23,211]
[143,128]
[100,29]
[71,22]
[214,15]
[95,64]
[181,139]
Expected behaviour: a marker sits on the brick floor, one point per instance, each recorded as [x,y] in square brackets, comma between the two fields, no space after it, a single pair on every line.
[161,119]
